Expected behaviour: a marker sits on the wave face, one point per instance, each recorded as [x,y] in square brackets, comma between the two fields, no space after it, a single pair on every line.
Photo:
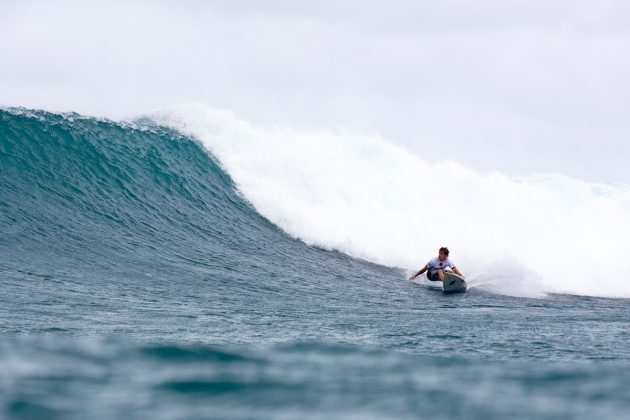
[103,220]
[367,198]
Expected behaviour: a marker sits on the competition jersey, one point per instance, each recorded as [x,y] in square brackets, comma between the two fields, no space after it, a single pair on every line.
[436,264]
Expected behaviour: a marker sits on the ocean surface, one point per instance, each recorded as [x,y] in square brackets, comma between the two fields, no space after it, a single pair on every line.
[147,271]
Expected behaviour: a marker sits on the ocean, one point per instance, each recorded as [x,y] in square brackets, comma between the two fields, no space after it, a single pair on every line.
[187,264]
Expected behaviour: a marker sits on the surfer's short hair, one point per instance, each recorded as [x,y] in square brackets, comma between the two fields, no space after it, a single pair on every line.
[444,250]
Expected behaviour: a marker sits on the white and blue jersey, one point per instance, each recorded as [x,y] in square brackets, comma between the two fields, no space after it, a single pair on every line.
[435,264]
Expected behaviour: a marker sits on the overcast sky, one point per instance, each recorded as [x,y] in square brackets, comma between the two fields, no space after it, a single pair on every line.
[515,86]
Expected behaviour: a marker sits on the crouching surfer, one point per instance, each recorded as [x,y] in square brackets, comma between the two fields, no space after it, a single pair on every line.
[436,267]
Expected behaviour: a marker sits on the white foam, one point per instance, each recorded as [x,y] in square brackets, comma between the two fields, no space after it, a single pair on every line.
[373,200]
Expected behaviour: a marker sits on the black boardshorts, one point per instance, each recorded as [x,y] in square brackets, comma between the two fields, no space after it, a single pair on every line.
[433,277]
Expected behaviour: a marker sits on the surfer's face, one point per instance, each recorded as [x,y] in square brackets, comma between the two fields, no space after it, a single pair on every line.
[441,256]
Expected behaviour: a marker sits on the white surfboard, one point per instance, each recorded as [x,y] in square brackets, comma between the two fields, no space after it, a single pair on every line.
[453,283]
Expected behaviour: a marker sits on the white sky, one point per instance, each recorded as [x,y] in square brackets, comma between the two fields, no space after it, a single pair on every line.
[515,86]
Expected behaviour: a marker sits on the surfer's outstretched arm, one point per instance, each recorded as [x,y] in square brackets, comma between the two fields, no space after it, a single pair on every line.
[456,271]
[418,273]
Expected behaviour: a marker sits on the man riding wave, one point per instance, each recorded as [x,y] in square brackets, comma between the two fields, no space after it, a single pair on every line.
[437,266]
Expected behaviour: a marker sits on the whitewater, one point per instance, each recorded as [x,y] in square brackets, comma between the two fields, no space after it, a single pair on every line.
[368,198]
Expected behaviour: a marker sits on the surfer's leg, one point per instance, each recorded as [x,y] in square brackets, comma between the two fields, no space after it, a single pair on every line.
[440,274]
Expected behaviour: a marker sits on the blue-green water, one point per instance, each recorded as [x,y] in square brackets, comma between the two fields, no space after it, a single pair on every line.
[136,282]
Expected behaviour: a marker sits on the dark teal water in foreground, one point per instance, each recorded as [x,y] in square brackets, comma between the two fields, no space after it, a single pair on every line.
[137,283]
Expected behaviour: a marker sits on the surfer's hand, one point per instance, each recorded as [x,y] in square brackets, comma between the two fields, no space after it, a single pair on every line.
[412,277]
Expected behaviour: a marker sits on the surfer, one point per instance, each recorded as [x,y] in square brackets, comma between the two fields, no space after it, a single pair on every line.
[436,267]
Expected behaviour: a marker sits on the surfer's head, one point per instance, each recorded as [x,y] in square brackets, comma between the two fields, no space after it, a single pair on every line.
[443,254]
